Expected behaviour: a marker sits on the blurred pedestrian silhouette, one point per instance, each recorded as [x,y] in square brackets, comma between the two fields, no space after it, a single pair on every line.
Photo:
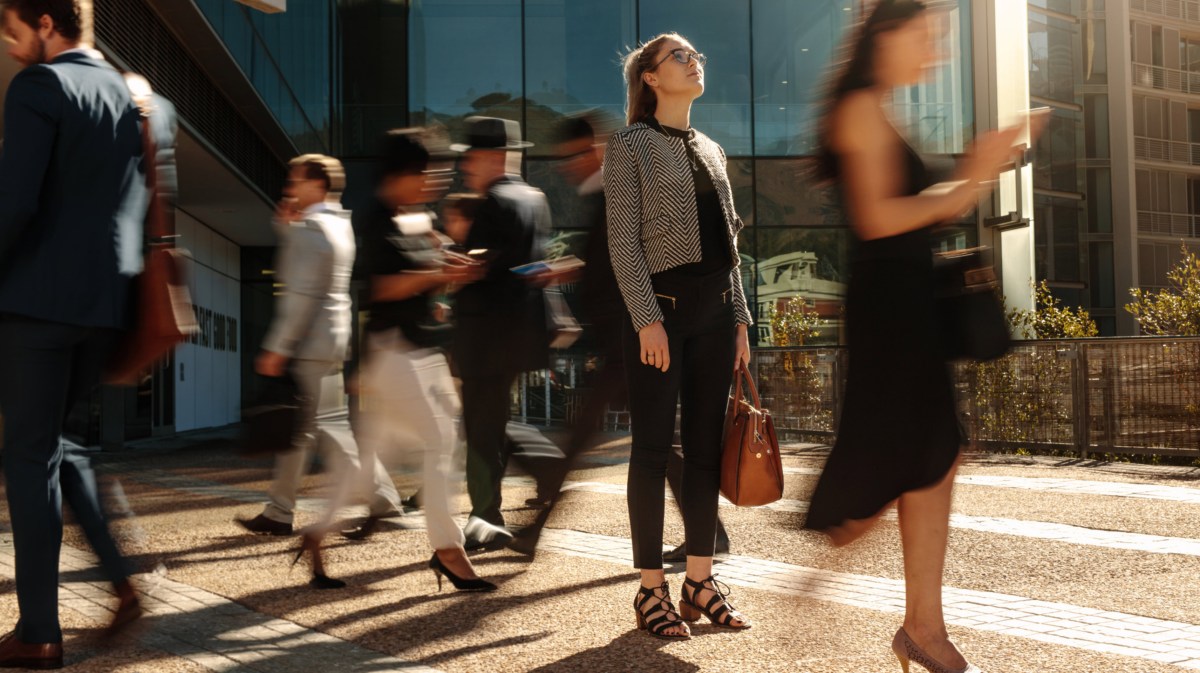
[899,439]
[309,336]
[405,380]
[73,198]
[500,320]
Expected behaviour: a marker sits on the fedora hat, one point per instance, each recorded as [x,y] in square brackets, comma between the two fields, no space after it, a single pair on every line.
[492,133]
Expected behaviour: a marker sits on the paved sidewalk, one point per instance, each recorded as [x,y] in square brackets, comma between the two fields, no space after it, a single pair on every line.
[1042,586]
[208,629]
[1153,544]
[1056,623]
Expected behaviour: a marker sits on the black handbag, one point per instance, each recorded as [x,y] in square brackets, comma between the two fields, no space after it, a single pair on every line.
[270,424]
[971,322]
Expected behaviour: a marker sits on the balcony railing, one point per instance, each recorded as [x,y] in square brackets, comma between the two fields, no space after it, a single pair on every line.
[1173,151]
[1168,224]
[1186,10]
[1167,79]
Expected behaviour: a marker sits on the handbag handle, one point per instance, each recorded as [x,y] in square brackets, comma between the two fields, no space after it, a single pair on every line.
[751,389]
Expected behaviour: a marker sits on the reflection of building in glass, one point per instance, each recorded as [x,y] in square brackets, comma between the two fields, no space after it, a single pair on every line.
[535,61]
[1158,191]
[1069,71]
[793,275]
[1117,173]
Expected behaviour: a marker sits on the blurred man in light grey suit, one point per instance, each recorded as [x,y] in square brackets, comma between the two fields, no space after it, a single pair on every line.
[311,331]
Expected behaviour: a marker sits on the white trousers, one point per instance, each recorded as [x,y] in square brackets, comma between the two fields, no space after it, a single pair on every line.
[411,402]
[326,426]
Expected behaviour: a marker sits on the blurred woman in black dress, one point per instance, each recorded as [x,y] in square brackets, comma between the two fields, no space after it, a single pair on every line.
[899,440]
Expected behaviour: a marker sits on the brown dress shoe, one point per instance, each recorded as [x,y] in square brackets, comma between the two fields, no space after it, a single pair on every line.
[129,608]
[17,654]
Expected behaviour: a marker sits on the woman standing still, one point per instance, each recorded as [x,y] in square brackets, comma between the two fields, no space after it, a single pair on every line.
[899,439]
[673,241]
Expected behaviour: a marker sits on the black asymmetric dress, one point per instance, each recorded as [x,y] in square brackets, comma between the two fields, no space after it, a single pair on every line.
[899,431]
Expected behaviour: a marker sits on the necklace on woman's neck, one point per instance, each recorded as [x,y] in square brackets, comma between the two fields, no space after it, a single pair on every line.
[683,135]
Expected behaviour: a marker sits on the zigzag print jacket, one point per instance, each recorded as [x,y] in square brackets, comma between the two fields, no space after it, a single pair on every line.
[653,225]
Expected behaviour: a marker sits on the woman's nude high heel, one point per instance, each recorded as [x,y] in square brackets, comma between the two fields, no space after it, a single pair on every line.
[907,651]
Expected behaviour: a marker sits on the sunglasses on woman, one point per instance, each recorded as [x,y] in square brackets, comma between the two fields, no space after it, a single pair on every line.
[682,56]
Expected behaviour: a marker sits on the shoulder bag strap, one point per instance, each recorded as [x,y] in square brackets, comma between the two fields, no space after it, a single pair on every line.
[159,227]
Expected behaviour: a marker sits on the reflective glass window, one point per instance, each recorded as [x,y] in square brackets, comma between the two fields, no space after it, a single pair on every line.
[1099,200]
[1095,51]
[786,197]
[1095,118]
[794,44]
[1051,57]
[374,97]
[741,179]
[464,59]
[1056,154]
[1102,278]
[286,56]
[1065,6]
[806,263]
[937,115]
[572,61]
[721,30]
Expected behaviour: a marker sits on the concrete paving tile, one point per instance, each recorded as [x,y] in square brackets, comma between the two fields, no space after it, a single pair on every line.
[1166,657]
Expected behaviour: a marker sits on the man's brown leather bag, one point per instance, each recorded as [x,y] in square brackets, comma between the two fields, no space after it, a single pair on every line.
[162,306]
[751,469]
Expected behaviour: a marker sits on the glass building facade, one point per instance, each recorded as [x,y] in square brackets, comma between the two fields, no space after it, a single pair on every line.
[1073,211]
[1165,68]
[535,61]
[293,60]
[338,73]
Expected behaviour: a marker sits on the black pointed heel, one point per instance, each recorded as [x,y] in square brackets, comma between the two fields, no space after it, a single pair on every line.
[311,543]
[323,581]
[462,584]
[717,609]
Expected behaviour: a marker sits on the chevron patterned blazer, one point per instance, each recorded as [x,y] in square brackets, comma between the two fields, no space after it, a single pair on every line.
[653,225]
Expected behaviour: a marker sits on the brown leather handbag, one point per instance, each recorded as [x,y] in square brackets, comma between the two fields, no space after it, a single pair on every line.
[161,303]
[751,469]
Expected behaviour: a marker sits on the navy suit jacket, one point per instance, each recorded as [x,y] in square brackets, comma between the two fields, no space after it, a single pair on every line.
[73,194]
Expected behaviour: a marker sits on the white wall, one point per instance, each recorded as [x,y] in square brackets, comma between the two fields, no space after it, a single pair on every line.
[208,369]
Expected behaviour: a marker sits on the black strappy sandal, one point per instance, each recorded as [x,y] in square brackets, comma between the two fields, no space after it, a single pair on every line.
[718,610]
[668,618]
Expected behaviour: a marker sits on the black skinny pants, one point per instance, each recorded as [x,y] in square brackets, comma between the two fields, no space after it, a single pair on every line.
[699,320]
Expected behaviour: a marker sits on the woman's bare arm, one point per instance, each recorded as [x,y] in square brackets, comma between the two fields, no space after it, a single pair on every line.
[872,171]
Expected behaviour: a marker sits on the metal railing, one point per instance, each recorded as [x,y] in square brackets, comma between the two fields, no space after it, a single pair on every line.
[1168,79]
[1168,224]
[1174,151]
[1187,10]
[1077,396]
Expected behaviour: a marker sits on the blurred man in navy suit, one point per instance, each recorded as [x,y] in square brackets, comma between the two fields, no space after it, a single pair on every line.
[73,200]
